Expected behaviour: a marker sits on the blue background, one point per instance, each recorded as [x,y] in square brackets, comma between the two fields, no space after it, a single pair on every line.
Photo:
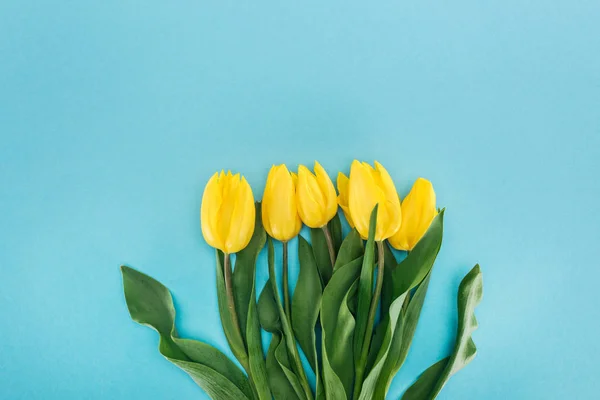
[113,115]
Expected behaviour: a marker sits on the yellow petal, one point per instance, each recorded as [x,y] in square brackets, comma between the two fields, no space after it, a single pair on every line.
[342,185]
[310,199]
[280,212]
[346,211]
[242,219]
[266,201]
[328,191]
[209,211]
[363,195]
[385,182]
[418,210]
[229,188]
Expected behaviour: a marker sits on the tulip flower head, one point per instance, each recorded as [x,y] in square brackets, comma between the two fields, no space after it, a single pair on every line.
[367,187]
[279,205]
[227,212]
[316,197]
[418,210]
[342,186]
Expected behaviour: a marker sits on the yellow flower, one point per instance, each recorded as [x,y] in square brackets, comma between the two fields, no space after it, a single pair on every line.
[418,210]
[342,185]
[279,206]
[315,196]
[367,187]
[227,212]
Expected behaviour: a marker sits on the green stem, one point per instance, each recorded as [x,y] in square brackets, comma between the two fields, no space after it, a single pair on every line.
[286,288]
[407,298]
[329,244]
[287,330]
[364,352]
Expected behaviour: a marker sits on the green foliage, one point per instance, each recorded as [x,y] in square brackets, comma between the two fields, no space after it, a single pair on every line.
[431,382]
[150,304]
[353,357]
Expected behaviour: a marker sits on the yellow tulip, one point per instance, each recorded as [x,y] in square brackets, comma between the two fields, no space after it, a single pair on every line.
[279,206]
[315,195]
[418,210]
[227,212]
[342,185]
[367,187]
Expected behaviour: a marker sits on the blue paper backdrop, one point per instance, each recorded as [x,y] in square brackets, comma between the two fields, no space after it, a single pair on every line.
[113,115]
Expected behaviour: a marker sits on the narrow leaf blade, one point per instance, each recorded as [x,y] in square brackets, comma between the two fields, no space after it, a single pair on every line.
[431,382]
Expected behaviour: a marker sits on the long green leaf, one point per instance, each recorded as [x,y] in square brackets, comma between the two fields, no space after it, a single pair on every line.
[288,334]
[365,287]
[306,302]
[283,382]
[268,313]
[235,340]
[364,322]
[283,359]
[395,325]
[387,290]
[351,249]
[338,330]
[401,340]
[431,382]
[244,278]
[279,382]
[333,386]
[150,303]
[245,270]
[258,367]
[389,337]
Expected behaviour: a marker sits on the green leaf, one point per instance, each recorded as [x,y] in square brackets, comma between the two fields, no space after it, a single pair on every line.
[213,383]
[282,380]
[421,390]
[431,382]
[306,303]
[255,351]
[283,359]
[401,340]
[351,249]
[365,296]
[279,382]
[205,354]
[395,325]
[321,250]
[244,278]
[387,290]
[268,314]
[338,330]
[244,271]
[234,338]
[365,287]
[288,335]
[333,386]
[150,303]
[387,344]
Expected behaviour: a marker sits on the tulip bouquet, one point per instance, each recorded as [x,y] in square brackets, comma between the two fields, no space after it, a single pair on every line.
[355,306]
